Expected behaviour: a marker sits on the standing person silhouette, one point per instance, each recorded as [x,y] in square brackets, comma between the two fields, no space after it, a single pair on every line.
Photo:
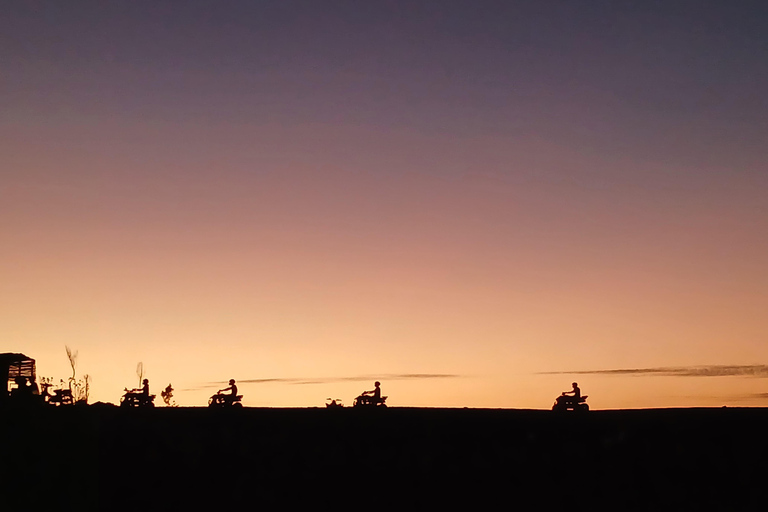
[145,389]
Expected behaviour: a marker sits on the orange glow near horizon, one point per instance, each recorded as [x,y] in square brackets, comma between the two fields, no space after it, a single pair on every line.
[350,275]
[332,202]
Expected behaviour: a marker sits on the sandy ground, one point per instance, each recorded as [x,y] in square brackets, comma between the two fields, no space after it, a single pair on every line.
[105,458]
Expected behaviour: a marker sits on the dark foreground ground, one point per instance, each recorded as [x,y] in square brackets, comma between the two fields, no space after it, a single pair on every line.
[104,458]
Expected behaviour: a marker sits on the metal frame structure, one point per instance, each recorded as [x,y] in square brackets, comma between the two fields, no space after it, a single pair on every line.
[13,366]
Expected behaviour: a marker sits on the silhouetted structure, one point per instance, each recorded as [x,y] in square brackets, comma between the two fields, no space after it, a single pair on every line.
[371,398]
[20,370]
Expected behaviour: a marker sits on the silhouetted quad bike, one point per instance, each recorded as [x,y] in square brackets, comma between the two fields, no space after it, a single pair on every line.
[134,399]
[59,397]
[369,401]
[220,400]
[566,403]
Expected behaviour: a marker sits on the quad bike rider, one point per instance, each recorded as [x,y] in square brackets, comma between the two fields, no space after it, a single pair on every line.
[371,398]
[138,397]
[574,403]
[223,400]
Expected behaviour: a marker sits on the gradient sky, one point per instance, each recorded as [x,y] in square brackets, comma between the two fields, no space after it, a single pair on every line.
[474,202]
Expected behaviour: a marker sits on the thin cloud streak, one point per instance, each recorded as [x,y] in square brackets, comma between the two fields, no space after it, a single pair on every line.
[759,371]
[404,376]
[753,398]
[329,380]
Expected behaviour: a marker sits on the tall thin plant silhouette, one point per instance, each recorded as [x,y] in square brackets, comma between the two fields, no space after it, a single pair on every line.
[79,389]
[140,372]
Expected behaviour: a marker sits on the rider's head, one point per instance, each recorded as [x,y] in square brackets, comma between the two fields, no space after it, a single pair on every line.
[146,381]
[377,383]
[574,384]
[231,381]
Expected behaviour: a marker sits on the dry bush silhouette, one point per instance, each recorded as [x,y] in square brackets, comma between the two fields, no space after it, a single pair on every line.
[81,388]
[167,395]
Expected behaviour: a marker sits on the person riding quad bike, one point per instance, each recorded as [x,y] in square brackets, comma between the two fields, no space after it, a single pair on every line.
[371,398]
[220,399]
[138,397]
[576,402]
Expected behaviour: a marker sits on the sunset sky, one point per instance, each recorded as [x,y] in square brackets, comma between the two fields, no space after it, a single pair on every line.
[474,202]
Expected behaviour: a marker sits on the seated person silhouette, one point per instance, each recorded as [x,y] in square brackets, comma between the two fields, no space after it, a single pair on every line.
[374,394]
[143,392]
[232,387]
[576,393]
[22,390]
[45,386]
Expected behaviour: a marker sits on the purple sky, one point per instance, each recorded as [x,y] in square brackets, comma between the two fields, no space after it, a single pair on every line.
[683,81]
